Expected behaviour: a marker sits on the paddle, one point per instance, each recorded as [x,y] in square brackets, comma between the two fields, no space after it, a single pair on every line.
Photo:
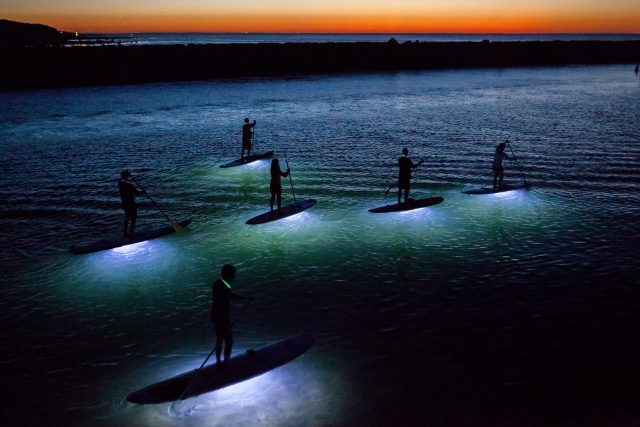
[174,224]
[290,180]
[514,157]
[214,349]
[395,183]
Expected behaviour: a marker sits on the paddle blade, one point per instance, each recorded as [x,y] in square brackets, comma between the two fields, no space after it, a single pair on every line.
[176,226]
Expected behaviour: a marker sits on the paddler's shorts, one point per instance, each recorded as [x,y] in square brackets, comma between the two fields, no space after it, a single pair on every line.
[275,188]
[246,144]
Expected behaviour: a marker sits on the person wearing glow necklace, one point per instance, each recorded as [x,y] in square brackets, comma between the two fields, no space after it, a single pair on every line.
[222,297]
[404,178]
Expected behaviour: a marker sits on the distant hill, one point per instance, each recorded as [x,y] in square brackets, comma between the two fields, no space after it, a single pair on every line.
[18,33]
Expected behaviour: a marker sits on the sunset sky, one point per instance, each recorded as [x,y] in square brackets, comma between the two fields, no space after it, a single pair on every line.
[333,16]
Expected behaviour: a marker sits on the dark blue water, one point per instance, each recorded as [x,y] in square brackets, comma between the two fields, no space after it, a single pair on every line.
[518,309]
[217,38]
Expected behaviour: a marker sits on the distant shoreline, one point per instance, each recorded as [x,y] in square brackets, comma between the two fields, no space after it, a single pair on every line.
[39,67]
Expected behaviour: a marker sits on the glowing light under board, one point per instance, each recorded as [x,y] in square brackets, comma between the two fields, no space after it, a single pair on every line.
[133,249]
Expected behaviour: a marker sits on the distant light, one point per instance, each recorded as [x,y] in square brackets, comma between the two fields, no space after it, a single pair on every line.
[76,34]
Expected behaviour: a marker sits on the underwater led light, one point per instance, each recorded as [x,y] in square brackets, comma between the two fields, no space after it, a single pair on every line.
[413,211]
[288,394]
[511,194]
[256,164]
[133,249]
[296,217]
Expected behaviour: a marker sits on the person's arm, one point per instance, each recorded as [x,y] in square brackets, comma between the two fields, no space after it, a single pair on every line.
[285,174]
[134,190]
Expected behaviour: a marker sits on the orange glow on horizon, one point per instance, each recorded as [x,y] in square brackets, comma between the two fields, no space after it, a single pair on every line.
[506,23]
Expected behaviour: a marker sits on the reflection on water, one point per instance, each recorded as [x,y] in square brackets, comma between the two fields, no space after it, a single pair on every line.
[484,307]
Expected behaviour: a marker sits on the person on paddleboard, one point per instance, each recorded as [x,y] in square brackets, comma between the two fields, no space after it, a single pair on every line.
[498,170]
[222,297]
[127,193]
[276,182]
[247,134]
[404,178]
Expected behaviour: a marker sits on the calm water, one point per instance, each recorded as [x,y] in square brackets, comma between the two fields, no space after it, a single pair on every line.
[216,38]
[519,309]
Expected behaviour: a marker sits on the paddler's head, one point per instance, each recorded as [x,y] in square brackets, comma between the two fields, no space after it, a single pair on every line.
[125,174]
[246,119]
[501,147]
[228,272]
[405,151]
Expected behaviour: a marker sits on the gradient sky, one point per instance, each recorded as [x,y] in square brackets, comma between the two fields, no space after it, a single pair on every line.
[313,16]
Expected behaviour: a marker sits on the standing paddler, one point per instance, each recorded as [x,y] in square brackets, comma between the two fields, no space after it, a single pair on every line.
[404,178]
[222,297]
[498,170]
[275,185]
[247,134]
[127,193]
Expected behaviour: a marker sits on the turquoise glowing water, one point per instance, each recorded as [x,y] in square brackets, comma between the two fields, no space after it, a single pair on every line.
[480,308]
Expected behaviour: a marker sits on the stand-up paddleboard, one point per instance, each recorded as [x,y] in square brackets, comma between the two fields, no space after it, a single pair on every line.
[214,377]
[505,187]
[248,159]
[284,212]
[411,204]
[116,242]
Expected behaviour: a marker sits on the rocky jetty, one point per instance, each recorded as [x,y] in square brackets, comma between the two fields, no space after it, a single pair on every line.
[42,67]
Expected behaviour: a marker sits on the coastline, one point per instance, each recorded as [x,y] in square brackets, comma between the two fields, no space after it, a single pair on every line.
[52,67]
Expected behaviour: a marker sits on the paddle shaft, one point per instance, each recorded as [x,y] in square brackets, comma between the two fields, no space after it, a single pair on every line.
[175,225]
[517,164]
[214,349]
[290,180]
[398,183]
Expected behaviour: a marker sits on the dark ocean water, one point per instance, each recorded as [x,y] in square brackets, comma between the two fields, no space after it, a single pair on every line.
[217,38]
[513,310]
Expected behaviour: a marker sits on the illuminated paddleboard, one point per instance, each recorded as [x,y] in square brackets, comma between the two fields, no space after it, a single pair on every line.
[490,190]
[412,204]
[248,159]
[284,212]
[116,242]
[213,377]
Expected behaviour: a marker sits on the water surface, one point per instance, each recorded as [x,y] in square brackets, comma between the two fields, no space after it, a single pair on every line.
[514,309]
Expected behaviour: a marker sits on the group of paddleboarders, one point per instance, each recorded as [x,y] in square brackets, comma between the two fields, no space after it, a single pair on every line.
[275,186]
[221,289]
[406,166]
